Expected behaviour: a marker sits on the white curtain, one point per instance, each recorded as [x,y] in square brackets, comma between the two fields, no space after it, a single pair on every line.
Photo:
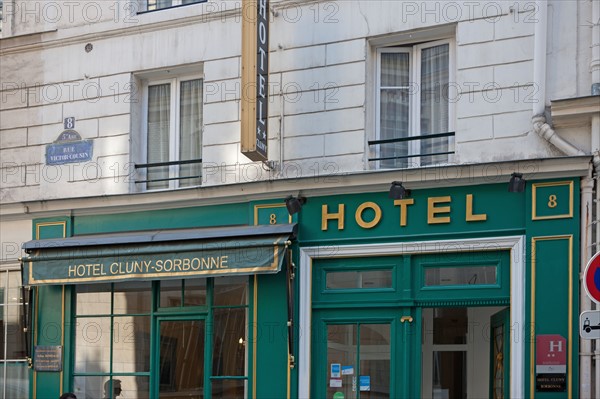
[190,130]
[159,111]
[434,101]
[394,107]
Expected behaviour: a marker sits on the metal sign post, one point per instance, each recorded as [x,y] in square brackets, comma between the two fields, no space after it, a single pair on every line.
[591,278]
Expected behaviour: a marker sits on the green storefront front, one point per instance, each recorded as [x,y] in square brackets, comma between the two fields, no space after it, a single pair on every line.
[450,292]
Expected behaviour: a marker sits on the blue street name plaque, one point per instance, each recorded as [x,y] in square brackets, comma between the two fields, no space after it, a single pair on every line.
[69,148]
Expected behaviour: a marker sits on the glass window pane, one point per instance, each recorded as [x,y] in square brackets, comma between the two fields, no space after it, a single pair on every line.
[229,389]
[15,292]
[159,120]
[394,107]
[229,343]
[17,380]
[498,362]
[182,359]
[12,325]
[341,280]
[133,297]
[119,387]
[375,360]
[394,69]
[151,5]
[158,4]
[129,387]
[92,299]
[131,344]
[190,130]
[469,275]
[359,279]
[435,64]
[341,349]
[450,326]
[92,345]
[450,375]
[89,387]
[195,292]
[170,293]
[393,124]
[231,291]
[12,337]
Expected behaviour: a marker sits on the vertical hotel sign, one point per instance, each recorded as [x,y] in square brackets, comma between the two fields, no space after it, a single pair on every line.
[255,78]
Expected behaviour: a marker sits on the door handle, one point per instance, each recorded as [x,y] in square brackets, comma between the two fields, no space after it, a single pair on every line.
[406,318]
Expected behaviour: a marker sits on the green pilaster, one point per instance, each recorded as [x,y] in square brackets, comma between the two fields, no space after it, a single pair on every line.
[552,220]
[271,339]
[48,320]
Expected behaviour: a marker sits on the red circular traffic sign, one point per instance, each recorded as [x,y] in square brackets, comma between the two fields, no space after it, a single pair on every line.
[591,278]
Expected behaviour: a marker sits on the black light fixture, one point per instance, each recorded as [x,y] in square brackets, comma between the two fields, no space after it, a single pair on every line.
[294,204]
[397,191]
[516,183]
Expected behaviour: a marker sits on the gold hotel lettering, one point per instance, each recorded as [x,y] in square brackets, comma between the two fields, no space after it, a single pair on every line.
[438,210]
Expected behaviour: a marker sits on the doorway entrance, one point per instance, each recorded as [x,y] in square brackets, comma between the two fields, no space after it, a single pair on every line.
[181,358]
[362,354]
[375,353]
[464,353]
[432,326]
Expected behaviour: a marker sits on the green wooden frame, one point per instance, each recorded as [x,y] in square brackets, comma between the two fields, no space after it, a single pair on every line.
[157,315]
[401,306]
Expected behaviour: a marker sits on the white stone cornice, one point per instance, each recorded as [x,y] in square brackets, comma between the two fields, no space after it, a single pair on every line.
[310,186]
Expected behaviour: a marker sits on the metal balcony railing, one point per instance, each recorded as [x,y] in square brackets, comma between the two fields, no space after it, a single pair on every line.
[382,143]
[170,163]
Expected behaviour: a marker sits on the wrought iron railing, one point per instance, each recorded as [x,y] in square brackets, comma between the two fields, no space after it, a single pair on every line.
[170,163]
[409,139]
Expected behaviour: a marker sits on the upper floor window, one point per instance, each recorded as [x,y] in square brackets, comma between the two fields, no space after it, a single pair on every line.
[173,133]
[151,5]
[413,116]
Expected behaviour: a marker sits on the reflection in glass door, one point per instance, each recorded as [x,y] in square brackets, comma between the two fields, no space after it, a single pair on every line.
[499,354]
[181,357]
[358,359]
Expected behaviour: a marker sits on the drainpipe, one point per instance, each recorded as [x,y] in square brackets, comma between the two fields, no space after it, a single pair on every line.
[541,127]
[596,247]
[595,63]
[595,90]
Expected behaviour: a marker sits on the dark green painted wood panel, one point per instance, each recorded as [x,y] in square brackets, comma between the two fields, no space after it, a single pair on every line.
[208,216]
[498,259]
[552,276]
[48,314]
[271,339]
[48,332]
[504,211]
[404,337]
[507,214]
[51,228]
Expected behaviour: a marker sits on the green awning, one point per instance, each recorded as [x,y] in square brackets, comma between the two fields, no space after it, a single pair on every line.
[170,254]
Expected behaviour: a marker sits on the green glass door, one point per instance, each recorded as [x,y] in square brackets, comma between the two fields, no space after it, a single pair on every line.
[181,371]
[360,354]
